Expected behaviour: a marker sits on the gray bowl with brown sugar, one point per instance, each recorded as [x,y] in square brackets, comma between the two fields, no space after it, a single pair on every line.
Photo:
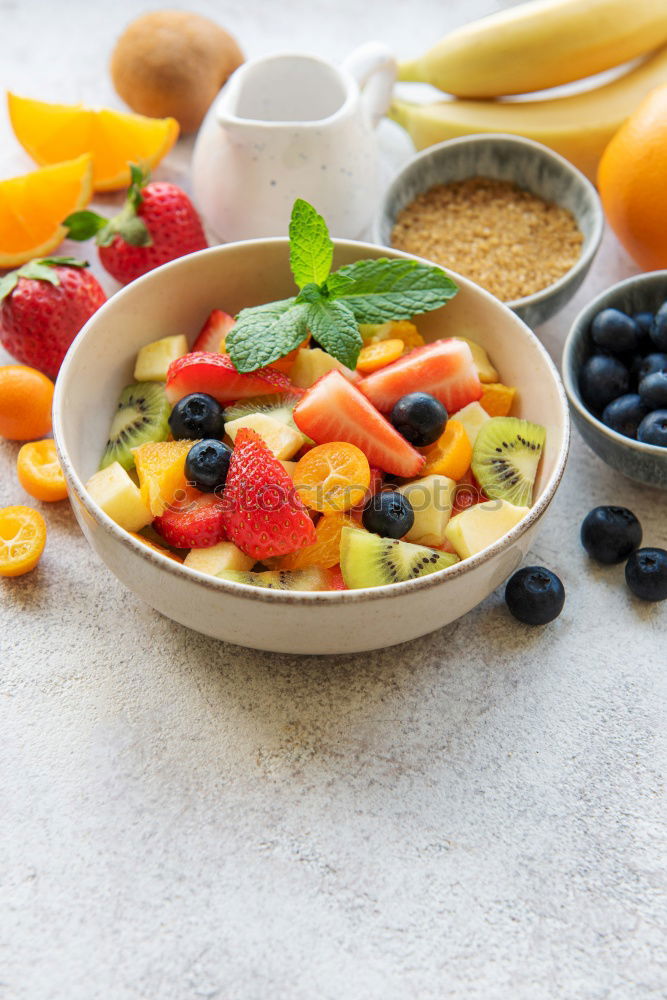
[520,242]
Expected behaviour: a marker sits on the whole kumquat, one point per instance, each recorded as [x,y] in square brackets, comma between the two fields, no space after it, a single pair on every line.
[332,477]
[22,540]
[39,471]
[25,403]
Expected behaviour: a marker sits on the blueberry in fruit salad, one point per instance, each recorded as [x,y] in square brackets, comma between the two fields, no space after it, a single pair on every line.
[207,464]
[646,574]
[419,417]
[653,429]
[658,331]
[625,414]
[197,416]
[278,452]
[602,379]
[613,331]
[535,595]
[609,534]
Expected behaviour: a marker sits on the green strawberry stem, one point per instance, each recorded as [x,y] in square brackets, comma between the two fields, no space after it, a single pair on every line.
[40,269]
[127,224]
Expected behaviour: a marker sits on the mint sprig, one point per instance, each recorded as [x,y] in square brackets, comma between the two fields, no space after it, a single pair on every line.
[331,306]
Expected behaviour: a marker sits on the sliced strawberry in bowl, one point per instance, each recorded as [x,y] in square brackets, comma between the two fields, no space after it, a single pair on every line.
[215,374]
[263,514]
[445,369]
[194,521]
[210,337]
[334,410]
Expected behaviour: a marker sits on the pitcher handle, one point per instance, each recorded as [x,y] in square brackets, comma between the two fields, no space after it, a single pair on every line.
[375,69]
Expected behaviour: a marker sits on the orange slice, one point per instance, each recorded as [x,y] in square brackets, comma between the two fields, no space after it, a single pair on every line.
[451,454]
[161,469]
[375,356]
[325,550]
[332,477]
[51,133]
[22,540]
[33,206]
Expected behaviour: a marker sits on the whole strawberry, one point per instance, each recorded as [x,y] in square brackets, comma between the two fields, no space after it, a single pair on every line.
[43,305]
[157,223]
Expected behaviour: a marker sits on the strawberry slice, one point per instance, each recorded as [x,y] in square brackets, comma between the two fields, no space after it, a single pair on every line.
[214,329]
[214,374]
[334,410]
[445,369]
[193,522]
[263,514]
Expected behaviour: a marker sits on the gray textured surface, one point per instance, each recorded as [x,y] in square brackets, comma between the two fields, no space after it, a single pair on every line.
[474,815]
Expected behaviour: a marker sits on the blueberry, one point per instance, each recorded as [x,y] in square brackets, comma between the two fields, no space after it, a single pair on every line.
[388,514]
[644,321]
[651,363]
[653,390]
[659,328]
[610,534]
[207,464]
[646,574]
[535,595]
[653,429]
[612,330]
[419,417]
[602,379]
[625,414]
[197,416]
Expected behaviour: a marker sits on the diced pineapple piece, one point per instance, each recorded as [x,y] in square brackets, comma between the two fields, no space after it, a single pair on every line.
[223,556]
[154,359]
[282,440]
[473,417]
[113,491]
[478,527]
[432,498]
[485,370]
[311,363]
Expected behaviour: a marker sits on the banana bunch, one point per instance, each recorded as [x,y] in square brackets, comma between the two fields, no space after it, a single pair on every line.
[534,47]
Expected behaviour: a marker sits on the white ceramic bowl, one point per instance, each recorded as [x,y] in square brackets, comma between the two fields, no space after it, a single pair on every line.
[177,298]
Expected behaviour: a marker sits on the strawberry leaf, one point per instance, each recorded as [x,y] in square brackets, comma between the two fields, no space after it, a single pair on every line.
[40,269]
[84,225]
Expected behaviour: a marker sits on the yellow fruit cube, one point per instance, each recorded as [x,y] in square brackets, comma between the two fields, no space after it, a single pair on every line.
[282,440]
[473,417]
[311,363]
[432,499]
[154,359]
[113,490]
[160,466]
[478,527]
[223,556]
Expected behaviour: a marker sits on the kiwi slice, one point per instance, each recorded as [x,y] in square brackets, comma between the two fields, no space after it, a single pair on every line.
[368,560]
[298,579]
[279,406]
[142,415]
[505,458]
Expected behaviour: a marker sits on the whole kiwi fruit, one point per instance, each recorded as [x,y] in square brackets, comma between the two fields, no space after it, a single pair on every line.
[173,63]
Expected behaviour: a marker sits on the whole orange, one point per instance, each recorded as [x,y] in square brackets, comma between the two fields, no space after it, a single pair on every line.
[632,179]
[25,403]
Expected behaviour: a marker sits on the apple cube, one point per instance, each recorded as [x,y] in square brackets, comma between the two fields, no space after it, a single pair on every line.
[281,439]
[216,558]
[478,527]
[113,491]
[473,417]
[311,363]
[432,498]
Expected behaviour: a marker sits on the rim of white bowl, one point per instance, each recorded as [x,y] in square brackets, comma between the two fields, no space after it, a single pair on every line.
[177,569]
[581,264]
[577,331]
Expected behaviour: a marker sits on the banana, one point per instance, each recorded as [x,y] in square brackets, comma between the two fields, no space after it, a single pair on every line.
[578,127]
[540,45]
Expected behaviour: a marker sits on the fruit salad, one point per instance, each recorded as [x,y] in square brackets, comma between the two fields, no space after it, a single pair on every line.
[317,461]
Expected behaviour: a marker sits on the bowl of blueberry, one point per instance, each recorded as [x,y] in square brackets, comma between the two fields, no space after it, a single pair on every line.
[615,375]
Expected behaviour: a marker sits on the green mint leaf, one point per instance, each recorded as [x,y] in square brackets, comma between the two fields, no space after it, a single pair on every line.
[335,328]
[310,293]
[263,334]
[310,247]
[84,225]
[380,290]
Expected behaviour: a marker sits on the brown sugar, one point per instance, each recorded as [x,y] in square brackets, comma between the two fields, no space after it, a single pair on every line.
[505,239]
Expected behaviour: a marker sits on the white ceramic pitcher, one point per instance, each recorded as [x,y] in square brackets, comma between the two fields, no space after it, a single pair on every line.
[292,126]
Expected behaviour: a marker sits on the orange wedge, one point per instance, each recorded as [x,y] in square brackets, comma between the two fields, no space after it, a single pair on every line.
[33,206]
[51,133]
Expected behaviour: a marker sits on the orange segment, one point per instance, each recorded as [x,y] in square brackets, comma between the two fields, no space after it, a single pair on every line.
[51,133]
[451,454]
[377,355]
[325,550]
[497,399]
[332,477]
[39,471]
[33,206]
[22,540]
[160,467]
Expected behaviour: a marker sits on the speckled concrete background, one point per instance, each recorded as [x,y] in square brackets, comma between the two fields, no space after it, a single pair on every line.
[474,815]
